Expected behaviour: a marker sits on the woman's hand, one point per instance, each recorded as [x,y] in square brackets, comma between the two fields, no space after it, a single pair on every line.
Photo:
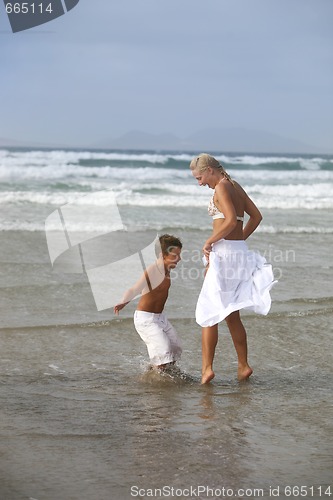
[207,248]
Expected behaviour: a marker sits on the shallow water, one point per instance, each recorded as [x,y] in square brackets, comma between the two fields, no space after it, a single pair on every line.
[84,417]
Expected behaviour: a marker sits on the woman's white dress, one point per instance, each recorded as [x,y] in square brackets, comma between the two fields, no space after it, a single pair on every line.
[237,278]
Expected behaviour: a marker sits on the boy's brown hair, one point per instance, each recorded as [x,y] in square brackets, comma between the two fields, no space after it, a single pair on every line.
[166,243]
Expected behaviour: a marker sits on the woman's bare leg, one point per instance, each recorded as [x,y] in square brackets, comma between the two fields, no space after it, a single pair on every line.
[238,335]
[209,341]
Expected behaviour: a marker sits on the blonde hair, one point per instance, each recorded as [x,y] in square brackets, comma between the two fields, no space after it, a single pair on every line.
[204,160]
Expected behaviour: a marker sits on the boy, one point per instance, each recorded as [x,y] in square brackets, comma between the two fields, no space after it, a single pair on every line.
[150,322]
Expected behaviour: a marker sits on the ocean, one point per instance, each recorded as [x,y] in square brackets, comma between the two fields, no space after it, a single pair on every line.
[82,417]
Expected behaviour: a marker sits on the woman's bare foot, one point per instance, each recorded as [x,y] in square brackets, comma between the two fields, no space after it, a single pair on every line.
[207,376]
[244,372]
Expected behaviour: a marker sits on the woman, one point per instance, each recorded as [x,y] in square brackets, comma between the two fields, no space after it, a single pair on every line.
[236,278]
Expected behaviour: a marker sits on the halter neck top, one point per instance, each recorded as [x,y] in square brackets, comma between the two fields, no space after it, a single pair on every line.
[216,214]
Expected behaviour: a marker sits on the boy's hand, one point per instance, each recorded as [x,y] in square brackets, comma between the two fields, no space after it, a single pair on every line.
[119,307]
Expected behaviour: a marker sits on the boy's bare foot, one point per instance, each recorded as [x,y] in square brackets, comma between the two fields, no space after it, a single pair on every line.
[244,372]
[207,376]
[165,366]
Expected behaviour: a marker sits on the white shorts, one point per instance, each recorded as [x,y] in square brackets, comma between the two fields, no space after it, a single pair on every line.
[159,336]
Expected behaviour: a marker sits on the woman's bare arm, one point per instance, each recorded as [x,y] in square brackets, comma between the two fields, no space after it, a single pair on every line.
[255,217]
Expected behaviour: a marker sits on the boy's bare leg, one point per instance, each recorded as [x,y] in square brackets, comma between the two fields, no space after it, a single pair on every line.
[238,335]
[208,341]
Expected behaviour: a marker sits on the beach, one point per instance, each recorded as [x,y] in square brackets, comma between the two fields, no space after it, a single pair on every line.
[82,417]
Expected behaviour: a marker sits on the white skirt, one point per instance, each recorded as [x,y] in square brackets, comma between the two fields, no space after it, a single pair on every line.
[237,278]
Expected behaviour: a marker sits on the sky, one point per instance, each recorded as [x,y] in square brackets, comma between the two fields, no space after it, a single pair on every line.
[170,66]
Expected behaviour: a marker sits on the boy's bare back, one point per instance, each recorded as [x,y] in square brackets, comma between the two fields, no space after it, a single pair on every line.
[155,299]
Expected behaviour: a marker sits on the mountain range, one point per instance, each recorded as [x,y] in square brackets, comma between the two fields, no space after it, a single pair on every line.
[230,140]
